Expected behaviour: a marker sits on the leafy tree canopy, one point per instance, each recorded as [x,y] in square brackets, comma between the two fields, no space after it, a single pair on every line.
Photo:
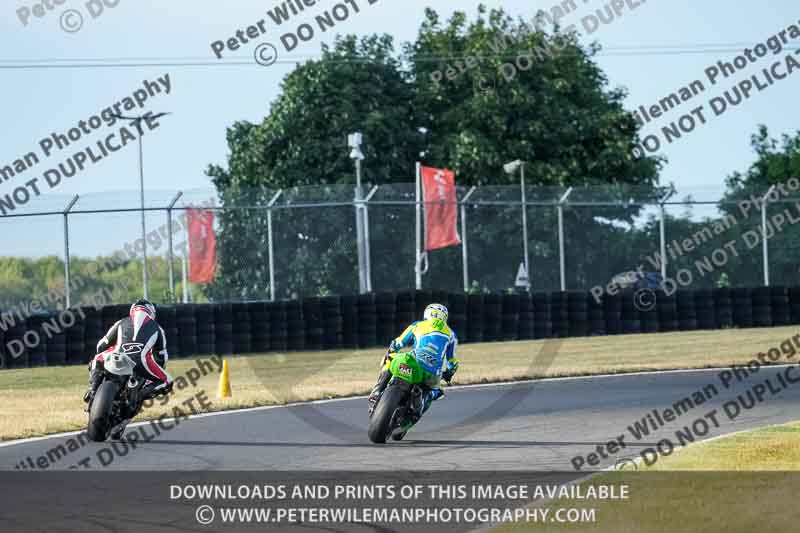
[777,161]
[532,96]
[356,86]
[557,113]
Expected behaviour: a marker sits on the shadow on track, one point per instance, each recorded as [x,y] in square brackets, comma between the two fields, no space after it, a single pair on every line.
[414,443]
[511,443]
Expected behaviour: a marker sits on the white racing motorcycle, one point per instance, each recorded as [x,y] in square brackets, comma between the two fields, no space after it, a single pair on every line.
[118,398]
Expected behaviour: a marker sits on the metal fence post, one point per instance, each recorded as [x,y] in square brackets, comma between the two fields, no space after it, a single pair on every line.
[270,245]
[662,257]
[169,248]
[418,249]
[464,249]
[145,274]
[561,262]
[764,244]
[367,251]
[525,227]
[67,280]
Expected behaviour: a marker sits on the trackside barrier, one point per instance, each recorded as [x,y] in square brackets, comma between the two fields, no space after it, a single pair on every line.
[372,320]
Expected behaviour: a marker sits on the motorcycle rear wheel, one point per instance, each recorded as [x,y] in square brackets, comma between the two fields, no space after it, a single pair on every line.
[382,417]
[100,413]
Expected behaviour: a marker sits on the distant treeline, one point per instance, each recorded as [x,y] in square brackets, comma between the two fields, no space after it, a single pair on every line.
[35,284]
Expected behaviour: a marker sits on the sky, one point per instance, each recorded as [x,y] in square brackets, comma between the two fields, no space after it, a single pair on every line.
[204,100]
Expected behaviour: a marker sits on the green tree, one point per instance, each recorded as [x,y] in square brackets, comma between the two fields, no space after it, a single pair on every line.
[777,161]
[556,112]
[497,89]
[559,115]
[355,86]
[24,280]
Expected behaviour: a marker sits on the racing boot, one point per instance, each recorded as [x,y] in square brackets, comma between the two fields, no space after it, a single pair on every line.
[95,379]
[375,395]
[432,396]
[151,390]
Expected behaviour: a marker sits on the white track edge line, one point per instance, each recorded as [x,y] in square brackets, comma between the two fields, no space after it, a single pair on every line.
[29,440]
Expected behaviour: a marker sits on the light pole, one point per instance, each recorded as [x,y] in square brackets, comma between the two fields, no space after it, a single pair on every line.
[511,168]
[137,123]
[354,142]
[663,231]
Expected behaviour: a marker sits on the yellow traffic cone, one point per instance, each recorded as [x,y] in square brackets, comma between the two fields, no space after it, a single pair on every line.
[224,390]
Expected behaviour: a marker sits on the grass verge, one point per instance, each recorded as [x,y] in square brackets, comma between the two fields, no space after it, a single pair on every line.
[773,448]
[740,483]
[41,401]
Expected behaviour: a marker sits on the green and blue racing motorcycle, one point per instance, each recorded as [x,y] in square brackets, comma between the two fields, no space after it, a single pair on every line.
[403,401]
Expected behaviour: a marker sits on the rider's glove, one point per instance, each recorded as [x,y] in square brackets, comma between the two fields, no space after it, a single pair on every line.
[448,374]
[393,347]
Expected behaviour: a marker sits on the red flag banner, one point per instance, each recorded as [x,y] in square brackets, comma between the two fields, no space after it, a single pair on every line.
[441,209]
[202,245]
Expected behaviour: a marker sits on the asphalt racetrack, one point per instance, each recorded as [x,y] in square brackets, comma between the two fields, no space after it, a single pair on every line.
[540,425]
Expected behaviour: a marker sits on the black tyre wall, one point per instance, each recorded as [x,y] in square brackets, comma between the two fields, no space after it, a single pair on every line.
[370,321]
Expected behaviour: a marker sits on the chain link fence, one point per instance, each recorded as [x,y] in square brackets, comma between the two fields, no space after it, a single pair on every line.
[294,243]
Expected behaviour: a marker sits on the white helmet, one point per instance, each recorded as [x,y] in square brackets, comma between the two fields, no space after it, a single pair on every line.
[435,311]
